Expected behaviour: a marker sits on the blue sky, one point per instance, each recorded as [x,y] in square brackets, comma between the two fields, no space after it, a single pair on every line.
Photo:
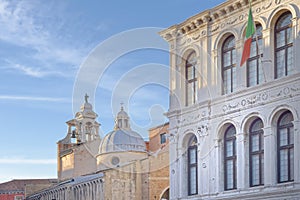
[43,45]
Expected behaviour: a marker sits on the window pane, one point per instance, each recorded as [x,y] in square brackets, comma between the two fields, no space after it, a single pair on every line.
[291,135]
[190,73]
[255,143]
[229,148]
[233,56]
[230,174]
[193,179]
[262,141]
[228,64]
[190,94]
[227,81]
[284,48]
[280,63]
[283,137]
[227,59]
[289,35]
[190,79]
[262,168]
[252,72]
[253,50]
[192,154]
[260,73]
[163,138]
[230,132]
[285,20]
[280,39]
[286,119]
[290,58]
[255,170]
[283,164]
[292,164]
[233,79]
[256,126]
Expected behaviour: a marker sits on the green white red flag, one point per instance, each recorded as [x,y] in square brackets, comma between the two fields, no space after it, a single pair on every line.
[250,30]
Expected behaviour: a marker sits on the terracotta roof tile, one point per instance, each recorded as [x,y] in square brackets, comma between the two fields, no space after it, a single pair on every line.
[19,184]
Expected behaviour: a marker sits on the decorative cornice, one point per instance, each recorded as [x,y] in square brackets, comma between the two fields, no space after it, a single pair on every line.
[211,18]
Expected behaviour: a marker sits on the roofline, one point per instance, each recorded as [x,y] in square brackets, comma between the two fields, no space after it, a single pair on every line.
[162,125]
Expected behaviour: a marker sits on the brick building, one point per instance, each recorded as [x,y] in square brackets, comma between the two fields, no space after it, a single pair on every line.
[18,189]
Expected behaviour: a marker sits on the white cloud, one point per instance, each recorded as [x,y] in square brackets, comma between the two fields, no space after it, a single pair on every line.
[27,161]
[30,98]
[41,29]
[36,72]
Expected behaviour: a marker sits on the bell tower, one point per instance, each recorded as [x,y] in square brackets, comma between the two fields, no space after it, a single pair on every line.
[79,143]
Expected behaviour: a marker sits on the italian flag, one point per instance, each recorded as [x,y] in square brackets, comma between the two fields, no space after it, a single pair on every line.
[250,30]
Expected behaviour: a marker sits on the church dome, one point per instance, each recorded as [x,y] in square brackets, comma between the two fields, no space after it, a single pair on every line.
[122,138]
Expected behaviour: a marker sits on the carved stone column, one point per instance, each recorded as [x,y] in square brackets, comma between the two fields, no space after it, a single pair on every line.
[270,156]
[268,57]
[240,151]
[296,151]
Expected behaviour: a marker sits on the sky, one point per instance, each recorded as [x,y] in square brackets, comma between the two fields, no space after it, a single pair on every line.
[47,54]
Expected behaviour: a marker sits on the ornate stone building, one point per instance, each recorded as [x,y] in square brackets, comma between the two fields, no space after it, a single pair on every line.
[234,130]
[118,166]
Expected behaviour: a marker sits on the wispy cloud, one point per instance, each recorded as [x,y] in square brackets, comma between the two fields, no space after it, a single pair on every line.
[46,34]
[31,98]
[36,72]
[27,161]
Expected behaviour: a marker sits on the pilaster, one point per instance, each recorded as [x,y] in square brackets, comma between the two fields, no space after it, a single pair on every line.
[270,157]
[267,64]
[296,151]
[240,150]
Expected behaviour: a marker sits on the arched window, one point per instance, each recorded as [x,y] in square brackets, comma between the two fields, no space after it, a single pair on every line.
[283,46]
[229,65]
[192,166]
[255,74]
[191,79]
[230,158]
[256,153]
[285,147]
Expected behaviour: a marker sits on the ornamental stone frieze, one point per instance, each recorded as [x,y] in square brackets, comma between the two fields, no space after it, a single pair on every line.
[263,97]
[217,19]
[192,118]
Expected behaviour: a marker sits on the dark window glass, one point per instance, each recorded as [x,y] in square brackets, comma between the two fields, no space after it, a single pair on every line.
[163,138]
[191,79]
[256,151]
[229,65]
[255,74]
[230,158]
[283,46]
[192,167]
[285,147]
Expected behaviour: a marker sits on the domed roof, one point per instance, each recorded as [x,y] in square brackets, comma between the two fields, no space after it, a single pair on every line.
[122,138]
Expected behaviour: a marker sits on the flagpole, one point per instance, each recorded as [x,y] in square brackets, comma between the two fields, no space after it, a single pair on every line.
[257,47]
[259,56]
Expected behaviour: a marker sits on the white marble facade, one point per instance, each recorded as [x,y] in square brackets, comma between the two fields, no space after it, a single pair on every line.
[213,110]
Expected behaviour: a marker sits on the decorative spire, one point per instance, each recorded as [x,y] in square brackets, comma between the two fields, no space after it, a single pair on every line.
[86,98]
[122,119]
